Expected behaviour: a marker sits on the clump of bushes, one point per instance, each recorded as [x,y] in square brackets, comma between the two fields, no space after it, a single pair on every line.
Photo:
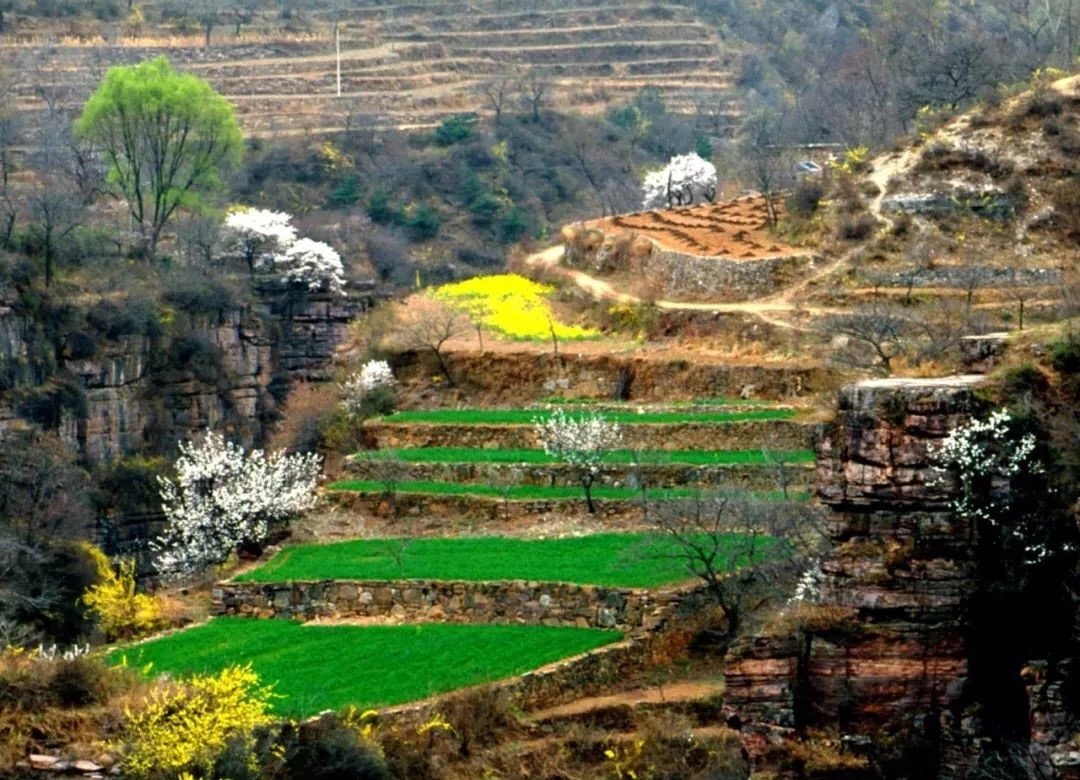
[121,611]
[856,228]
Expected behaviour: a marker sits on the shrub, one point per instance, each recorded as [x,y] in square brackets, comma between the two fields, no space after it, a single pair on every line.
[1065,354]
[380,210]
[194,292]
[121,612]
[131,317]
[513,225]
[369,391]
[186,727]
[346,193]
[327,749]
[455,129]
[856,228]
[424,222]
[805,197]
[194,353]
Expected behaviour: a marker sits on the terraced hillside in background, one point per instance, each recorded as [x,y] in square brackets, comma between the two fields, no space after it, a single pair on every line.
[405,65]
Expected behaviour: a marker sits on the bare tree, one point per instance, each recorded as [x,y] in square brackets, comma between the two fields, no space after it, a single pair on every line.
[879,330]
[747,552]
[497,92]
[534,90]
[428,325]
[762,157]
[55,211]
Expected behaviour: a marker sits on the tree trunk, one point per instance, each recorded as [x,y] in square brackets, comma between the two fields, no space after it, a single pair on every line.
[587,483]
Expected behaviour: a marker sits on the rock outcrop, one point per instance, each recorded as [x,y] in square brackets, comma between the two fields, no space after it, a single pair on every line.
[887,652]
[225,371]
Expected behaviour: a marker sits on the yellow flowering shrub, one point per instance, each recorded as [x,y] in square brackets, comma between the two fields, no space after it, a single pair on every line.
[510,305]
[121,612]
[185,727]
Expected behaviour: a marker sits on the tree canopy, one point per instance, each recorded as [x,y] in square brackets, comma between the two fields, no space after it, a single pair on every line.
[168,138]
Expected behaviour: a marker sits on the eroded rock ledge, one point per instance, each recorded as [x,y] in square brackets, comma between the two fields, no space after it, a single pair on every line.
[885,654]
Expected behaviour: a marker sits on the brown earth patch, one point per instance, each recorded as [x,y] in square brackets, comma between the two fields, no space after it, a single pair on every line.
[735,229]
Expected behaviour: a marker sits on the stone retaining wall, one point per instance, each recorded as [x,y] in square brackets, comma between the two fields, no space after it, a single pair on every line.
[514,378]
[799,476]
[771,434]
[686,277]
[549,604]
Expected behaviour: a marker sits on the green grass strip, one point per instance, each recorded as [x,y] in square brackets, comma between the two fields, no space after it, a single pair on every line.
[616,457]
[540,492]
[315,668]
[605,402]
[632,560]
[622,416]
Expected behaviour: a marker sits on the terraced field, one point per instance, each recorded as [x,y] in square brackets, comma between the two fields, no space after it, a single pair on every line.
[733,229]
[412,64]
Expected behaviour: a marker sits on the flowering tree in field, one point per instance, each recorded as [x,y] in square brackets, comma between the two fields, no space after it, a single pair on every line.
[259,234]
[369,391]
[223,498]
[684,180]
[580,441]
[312,263]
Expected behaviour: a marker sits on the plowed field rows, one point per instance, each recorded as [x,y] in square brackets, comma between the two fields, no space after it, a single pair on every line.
[736,229]
[410,64]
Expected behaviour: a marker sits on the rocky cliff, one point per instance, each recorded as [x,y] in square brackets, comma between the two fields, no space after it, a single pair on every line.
[226,370]
[902,658]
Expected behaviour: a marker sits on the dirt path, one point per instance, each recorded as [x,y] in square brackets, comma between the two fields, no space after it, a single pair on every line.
[770,309]
[689,690]
[549,260]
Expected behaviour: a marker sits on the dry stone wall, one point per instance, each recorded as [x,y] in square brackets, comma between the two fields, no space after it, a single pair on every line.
[549,604]
[773,434]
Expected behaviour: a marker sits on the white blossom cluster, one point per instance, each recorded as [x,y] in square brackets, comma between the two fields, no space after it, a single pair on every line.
[53,652]
[984,455]
[313,263]
[224,497]
[580,440]
[259,234]
[268,241]
[808,588]
[686,179]
[374,376]
[979,451]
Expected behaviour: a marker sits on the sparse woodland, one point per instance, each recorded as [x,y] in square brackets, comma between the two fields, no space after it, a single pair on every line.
[361,354]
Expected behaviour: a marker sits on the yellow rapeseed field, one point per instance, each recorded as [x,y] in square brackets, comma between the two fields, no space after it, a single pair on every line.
[511,306]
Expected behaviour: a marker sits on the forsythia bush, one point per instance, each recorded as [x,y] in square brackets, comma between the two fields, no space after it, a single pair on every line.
[120,611]
[511,305]
[186,727]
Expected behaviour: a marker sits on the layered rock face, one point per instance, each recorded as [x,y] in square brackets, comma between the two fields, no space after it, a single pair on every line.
[887,649]
[135,399]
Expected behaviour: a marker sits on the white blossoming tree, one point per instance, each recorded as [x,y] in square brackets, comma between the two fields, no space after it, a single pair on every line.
[223,498]
[686,179]
[311,263]
[580,441]
[369,391]
[1001,488]
[259,234]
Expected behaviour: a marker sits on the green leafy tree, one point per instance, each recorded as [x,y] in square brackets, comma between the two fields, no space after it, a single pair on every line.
[168,138]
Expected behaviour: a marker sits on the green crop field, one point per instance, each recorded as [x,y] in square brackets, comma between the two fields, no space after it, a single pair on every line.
[617,560]
[623,416]
[315,668]
[614,457]
[543,492]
